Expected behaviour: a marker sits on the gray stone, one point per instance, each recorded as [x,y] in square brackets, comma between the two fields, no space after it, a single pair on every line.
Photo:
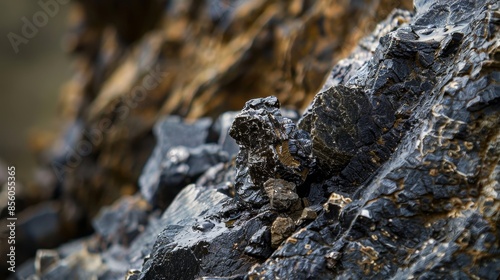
[178,160]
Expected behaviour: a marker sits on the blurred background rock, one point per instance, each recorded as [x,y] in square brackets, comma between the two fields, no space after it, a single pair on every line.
[31,80]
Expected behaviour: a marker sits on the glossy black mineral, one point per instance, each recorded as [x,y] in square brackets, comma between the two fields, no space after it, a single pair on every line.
[271,146]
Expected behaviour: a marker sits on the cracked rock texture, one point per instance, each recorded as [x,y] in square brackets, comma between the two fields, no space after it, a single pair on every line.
[138,60]
[271,146]
[391,173]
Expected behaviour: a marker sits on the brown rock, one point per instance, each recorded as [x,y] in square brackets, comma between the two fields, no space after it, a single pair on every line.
[281,229]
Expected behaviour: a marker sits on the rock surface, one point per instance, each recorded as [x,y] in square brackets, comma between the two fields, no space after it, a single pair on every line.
[139,60]
[428,209]
[392,172]
[281,193]
[180,157]
[136,61]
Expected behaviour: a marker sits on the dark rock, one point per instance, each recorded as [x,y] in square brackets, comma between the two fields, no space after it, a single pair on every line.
[184,252]
[183,166]
[179,159]
[419,212]
[340,121]
[270,147]
[281,193]
[203,226]
[308,214]
[259,244]
[136,61]
[305,250]
[140,60]
[122,222]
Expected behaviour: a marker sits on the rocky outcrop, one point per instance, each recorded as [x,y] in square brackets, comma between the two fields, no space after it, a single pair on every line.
[136,61]
[139,60]
[392,172]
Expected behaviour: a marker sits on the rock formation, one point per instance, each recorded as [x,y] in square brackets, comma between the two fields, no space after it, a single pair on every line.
[391,172]
[139,60]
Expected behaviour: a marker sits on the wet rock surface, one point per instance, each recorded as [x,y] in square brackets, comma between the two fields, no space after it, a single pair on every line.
[422,213]
[123,221]
[392,172]
[271,146]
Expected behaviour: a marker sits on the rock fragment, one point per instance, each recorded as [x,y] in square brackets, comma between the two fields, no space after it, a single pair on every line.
[140,61]
[259,244]
[340,122]
[282,228]
[123,221]
[281,193]
[271,146]
[180,157]
[425,198]
[419,208]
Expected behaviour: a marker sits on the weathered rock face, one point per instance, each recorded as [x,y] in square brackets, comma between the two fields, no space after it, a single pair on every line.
[402,149]
[139,60]
[428,209]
